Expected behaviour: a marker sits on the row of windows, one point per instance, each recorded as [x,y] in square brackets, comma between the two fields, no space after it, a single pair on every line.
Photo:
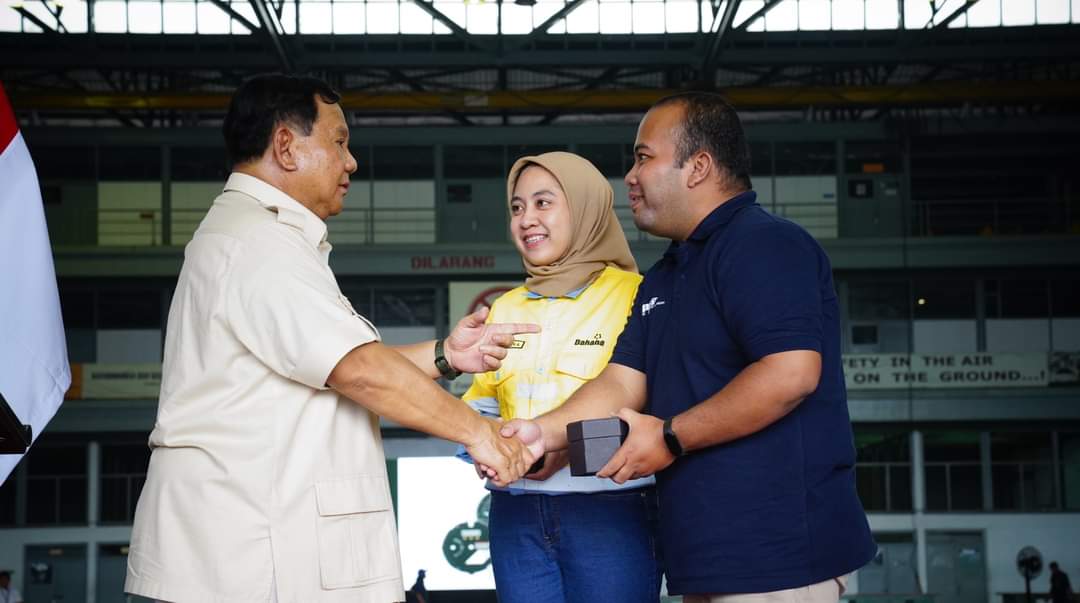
[594,16]
[89,305]
[964,471]
[384,162]
[971,470]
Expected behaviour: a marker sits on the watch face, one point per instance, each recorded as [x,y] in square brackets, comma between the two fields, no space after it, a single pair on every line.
[672,440]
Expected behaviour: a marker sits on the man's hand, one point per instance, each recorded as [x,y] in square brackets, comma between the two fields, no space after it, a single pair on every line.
[643,453]
[528,432]
[505,459]
[478,347]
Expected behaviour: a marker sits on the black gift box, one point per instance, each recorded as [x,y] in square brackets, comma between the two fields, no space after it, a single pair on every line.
[593,443]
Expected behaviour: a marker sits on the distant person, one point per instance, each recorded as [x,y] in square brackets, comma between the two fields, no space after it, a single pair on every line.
[1060,588]
[8,593]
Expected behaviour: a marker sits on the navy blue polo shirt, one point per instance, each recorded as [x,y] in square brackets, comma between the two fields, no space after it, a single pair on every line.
[776,509]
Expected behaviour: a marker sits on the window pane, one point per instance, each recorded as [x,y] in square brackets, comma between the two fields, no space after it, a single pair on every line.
[1069,448]
[952,298]
[41,500]
[1038,486]
[129,308]
[900,488]
[473,162]
[648,17]
[7,501]
[942,446]
[403,163]
[404,307]
[870,300]
[73,500]
[1020,446]
[937,488]
[606,157]
[966,487]
[870,482]
[876,446]
[1007,485]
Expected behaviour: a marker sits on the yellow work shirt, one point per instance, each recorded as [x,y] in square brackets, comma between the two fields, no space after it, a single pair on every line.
[577,336]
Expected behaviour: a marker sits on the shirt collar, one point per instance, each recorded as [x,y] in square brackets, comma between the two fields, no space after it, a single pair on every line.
[722,215]
[570,294]
[289,211]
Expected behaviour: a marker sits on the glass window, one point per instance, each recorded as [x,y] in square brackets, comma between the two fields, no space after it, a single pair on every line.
[953,470]
[1064,300]
[944,298]
[123,472]
[1022,470]
[129,308]
[404,307]
[872,300]
[883,470]
[1069,461]
[56,485]
[7,500]
[77,307]
[199,164]
[608,158]
[1016,298]
[64,164]
[473,161]
[402,163]
[130,163]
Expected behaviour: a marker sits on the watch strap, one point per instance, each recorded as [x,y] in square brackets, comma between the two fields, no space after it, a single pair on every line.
[442,364]
[672,440]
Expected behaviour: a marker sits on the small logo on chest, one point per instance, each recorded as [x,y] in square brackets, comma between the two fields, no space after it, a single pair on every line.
[517,344]
[596,339]
[650,305]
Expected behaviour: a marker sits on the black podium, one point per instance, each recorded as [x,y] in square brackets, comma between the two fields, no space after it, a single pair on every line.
[14,436]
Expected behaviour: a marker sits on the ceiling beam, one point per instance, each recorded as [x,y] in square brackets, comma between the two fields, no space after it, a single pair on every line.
[241,19]
[954,15]
[719,28]
[460,32]
[759,13]
[541,29]
[271,25]
[928,94]
[31,17]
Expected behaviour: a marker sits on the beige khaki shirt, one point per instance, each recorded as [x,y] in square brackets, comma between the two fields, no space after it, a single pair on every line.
[262,480]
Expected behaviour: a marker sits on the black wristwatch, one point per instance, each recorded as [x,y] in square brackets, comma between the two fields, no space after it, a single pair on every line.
[672,440]
[448,372]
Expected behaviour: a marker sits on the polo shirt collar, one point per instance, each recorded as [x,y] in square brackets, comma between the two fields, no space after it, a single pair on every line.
[722,215]
[289,211]
[571,294]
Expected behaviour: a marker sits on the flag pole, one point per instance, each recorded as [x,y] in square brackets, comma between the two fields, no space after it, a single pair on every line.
[14,435]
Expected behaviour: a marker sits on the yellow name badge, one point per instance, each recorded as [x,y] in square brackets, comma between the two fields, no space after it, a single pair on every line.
[517,344]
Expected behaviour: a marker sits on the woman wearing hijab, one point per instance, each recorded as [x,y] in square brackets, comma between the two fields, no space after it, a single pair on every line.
[554,537]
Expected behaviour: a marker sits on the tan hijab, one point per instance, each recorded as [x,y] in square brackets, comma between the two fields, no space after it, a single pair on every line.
[597,241]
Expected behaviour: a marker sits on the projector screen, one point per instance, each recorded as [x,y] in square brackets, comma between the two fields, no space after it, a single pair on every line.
[442,524]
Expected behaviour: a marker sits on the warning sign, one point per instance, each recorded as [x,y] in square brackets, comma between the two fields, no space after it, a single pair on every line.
[893,371]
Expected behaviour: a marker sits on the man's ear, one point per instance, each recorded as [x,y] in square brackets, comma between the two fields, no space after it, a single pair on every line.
[702,169]
[282,145]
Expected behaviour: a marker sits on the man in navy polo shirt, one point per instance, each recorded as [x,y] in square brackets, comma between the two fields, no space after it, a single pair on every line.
[733,350]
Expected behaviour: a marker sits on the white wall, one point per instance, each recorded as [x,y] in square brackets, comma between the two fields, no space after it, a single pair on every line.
[944,336]
[1017,335]
[128,346]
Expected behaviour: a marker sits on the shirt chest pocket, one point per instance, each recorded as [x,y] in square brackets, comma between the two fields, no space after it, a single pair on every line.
[357,541]
[584,365]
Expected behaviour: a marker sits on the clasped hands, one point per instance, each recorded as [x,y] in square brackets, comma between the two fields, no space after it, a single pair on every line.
[641,455]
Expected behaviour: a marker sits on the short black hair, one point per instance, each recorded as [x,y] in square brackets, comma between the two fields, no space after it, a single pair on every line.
[263,102]
[710,124]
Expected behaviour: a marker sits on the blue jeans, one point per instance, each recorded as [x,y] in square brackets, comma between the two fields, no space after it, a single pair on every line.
[575,547]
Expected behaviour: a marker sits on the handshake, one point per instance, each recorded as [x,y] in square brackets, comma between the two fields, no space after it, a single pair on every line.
[503,454]
[592,444]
